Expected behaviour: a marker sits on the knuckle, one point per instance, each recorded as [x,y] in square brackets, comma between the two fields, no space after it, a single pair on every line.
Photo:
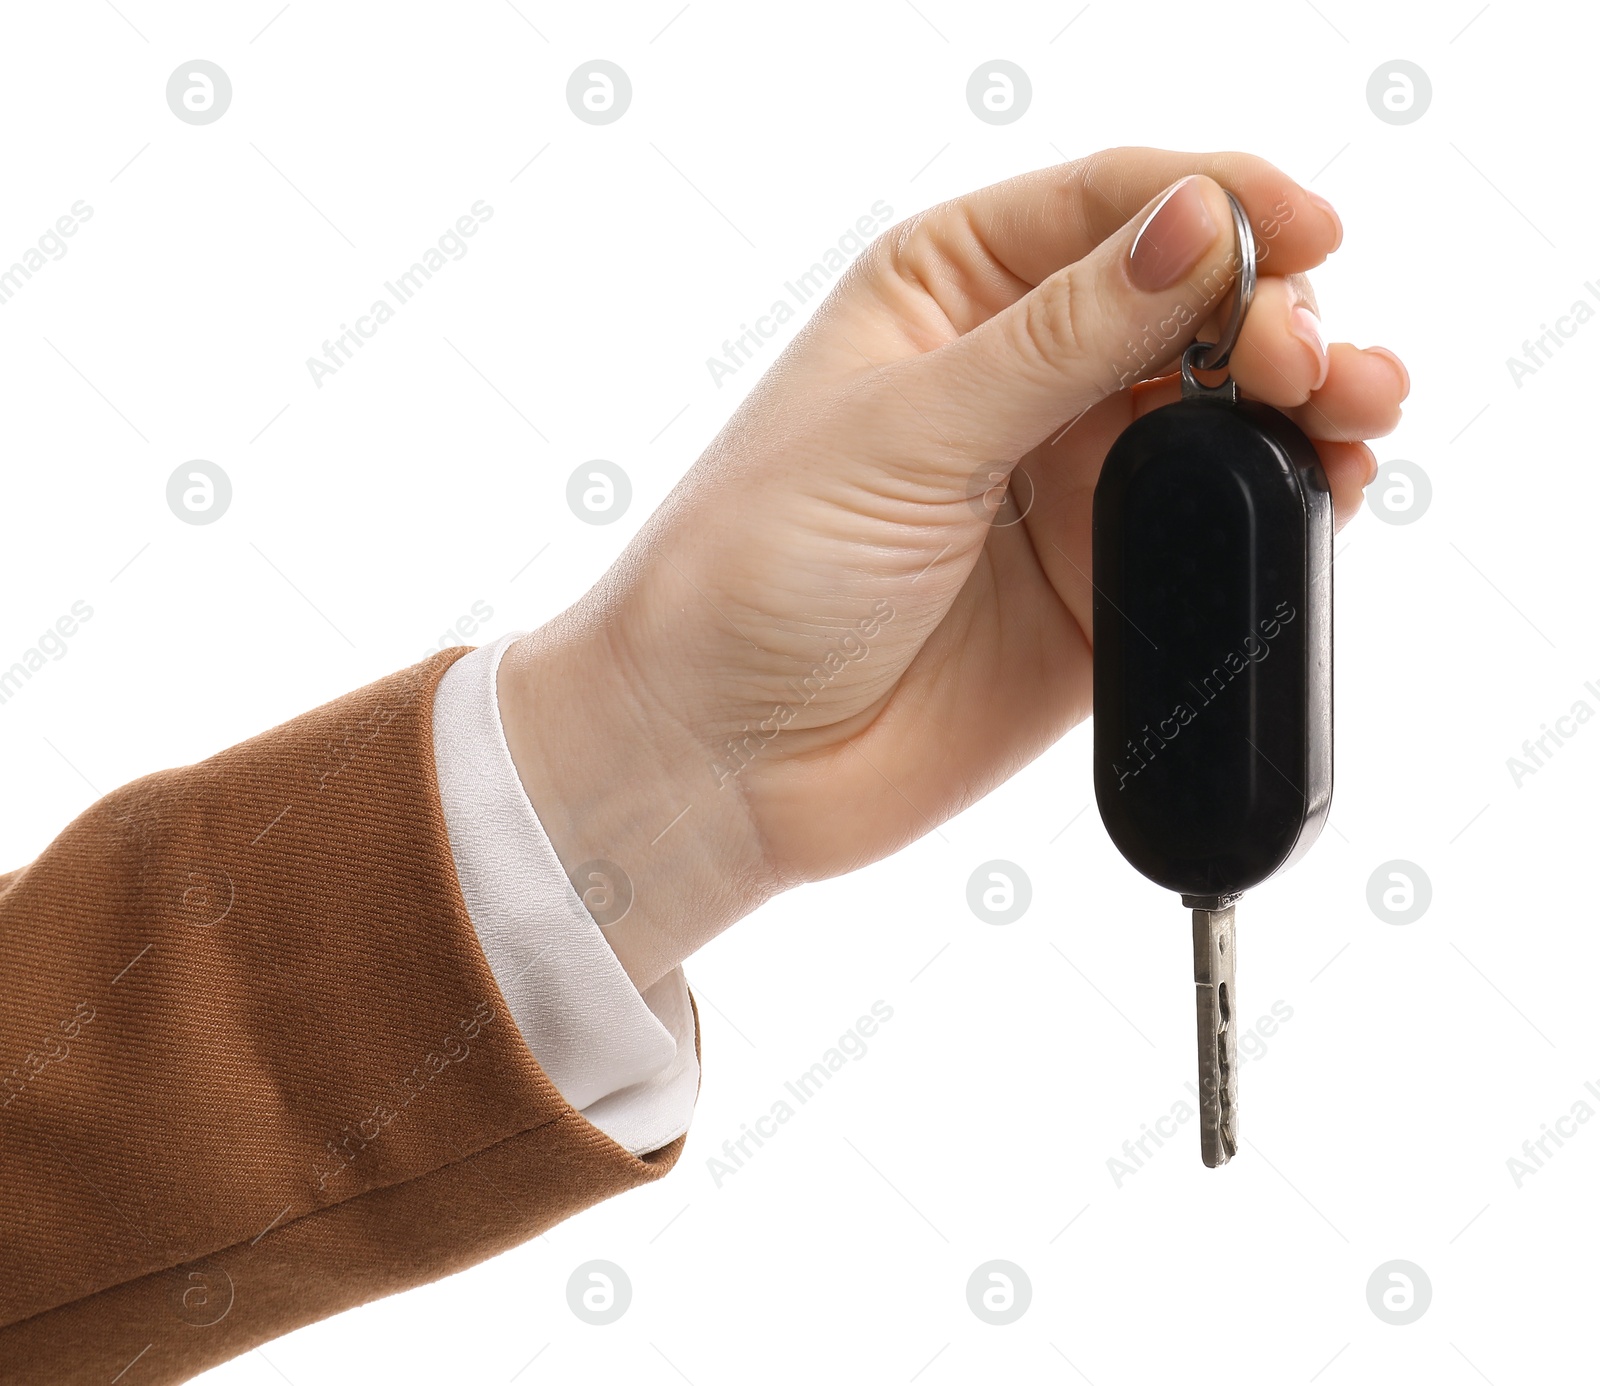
[1055,319]
[901,264]
[900,251]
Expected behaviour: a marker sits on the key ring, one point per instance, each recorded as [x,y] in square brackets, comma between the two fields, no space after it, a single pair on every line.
[1244,290]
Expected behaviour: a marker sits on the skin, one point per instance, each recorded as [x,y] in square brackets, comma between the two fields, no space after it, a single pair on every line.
[863,475]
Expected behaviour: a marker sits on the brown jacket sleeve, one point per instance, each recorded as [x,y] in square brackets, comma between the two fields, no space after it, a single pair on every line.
[254,1068]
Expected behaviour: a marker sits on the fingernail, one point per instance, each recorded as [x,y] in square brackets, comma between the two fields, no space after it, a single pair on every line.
[1303,323]
[1173,238]
[1326,208]
[1372,467]
[1400,367]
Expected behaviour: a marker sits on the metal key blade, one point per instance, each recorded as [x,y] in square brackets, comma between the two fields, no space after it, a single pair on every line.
[1218,1035]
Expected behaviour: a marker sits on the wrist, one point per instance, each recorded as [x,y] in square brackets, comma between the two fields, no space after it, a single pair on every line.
[663,857]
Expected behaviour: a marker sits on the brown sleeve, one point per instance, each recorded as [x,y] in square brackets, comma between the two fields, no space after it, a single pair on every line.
[254,1068]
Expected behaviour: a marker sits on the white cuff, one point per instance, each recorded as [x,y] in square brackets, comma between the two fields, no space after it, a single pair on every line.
[626,1061]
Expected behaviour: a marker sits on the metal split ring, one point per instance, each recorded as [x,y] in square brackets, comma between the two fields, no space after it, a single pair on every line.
[1244,289]
[1213,356]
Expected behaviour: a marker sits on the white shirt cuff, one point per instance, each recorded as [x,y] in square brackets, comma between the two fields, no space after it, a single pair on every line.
[625,1060]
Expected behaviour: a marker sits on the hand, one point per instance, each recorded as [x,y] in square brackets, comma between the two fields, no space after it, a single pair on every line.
[824,643]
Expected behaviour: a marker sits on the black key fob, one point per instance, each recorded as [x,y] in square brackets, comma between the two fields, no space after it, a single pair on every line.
[1213,644]
[1213,667]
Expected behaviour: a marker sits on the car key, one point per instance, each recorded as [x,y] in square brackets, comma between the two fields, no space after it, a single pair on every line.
[1213,666]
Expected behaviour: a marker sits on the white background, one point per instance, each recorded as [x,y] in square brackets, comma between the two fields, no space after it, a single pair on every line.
[369,514]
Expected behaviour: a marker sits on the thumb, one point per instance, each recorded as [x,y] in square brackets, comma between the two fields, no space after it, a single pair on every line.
[1123,311]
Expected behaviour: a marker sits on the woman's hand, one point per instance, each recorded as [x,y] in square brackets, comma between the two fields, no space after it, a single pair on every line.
[840,629]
